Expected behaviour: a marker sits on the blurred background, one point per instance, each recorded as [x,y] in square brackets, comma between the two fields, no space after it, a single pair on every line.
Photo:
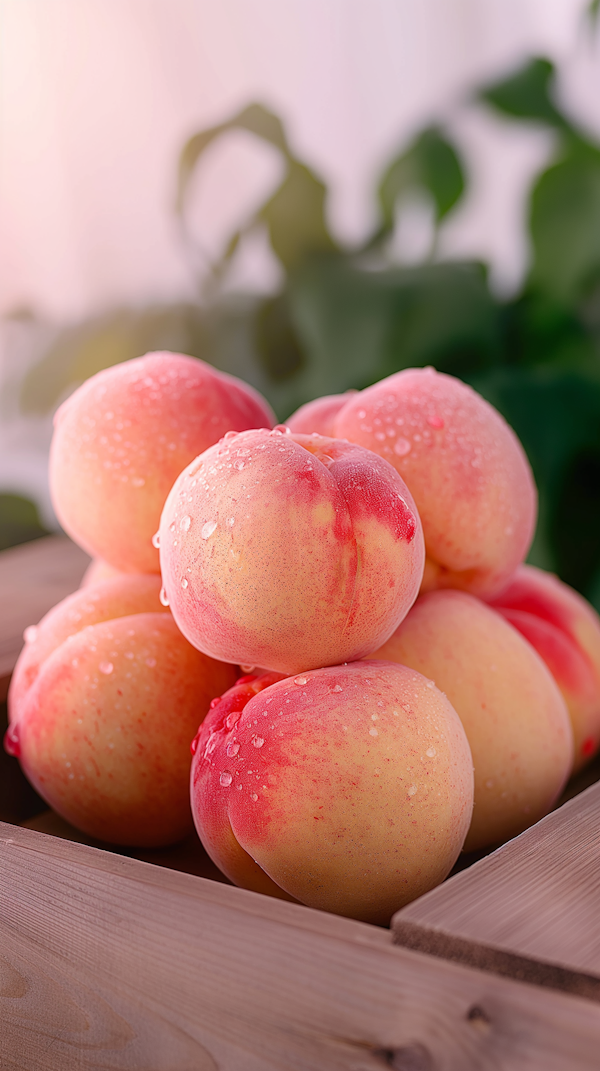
[312,196]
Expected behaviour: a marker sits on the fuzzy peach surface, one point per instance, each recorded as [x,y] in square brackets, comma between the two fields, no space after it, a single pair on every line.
[514,716]
[106,697]
[565,631]
[125,435]
[349,788]
[464,466]
[289,551]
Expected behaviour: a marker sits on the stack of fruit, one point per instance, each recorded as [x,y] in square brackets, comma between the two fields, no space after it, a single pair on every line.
[370,739]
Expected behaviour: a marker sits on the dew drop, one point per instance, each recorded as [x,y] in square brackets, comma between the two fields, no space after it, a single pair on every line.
[246,669]
[431,753]
[138,481]
[411,790]
[229,435]
[232,750]
[172,526]
[106,667]
[185,523]
[337,688]
[230,522]
[225,779]
[361,414]
[164,598]
[208,529]
[373,732]
[300,680]
[258,741]
[184,583]
[30,634]
[151,662]
[401,447]
[156,540]
[435,421]
[254,797]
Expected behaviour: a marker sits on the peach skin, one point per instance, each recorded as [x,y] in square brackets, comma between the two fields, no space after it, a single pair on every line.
[514,716]
[125,435]
[349,789]
[565,631]
[464,467]
[289,551]
[103,732]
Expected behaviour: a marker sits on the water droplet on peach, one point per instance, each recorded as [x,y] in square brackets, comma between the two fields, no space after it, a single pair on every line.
[258,741]
[164,598]
[300,680]
[30,634]
[185,523]
[225,779]
[106,667]
[232,750]
[401,447]
[208,529]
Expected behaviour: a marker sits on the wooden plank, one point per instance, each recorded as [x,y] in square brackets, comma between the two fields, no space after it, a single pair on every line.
[33,578]
[107,962]
[530,910]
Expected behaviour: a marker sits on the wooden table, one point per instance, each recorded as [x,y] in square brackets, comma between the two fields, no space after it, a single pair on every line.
[110,961]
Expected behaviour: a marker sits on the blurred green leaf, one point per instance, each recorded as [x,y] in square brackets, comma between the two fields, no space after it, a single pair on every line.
[19,521]
[276,340]
[565,227]
[593,11]
[430,163]
[526,94]
[294,215]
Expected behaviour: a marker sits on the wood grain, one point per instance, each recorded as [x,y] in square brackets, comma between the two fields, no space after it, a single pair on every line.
[530,910]
[107,962]
[33,578]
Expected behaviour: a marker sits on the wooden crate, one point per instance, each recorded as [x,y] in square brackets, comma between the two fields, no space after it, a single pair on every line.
[154,962]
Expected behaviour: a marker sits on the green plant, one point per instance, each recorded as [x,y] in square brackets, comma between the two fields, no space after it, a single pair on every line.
[347,317]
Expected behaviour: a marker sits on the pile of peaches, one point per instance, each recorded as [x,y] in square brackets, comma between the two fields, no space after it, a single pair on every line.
[332,616]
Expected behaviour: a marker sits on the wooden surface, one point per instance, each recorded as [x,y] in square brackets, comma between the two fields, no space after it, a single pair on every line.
[530,910]
[107,962]
[33,578]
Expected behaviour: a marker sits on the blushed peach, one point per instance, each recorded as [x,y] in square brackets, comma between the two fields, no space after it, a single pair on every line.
[349,788]
[103,732]
[319,415]
[565,631]
[121,596]
[464,466]
[514,716]
[122,439]
[289,551]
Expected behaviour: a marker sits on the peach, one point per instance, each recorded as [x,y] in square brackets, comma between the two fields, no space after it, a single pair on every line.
[464,466]
[565,631]
[349,789]
[319,415]
[103,732]
[122,439]
[119,597]
[514,716]
[289,551]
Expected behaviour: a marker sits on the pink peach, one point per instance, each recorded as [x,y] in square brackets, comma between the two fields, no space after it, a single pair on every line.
[103,732]
[349,789]
[565,631]
[122,439]
[513,714]
[464,466]
[289,551]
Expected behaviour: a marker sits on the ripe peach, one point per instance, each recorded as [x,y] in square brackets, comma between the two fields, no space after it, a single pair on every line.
[289,551]
[124,436]
[514,716]
[119,597]
[349,788]
[319,415]
[103,733]
[463,465]
[565,631]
